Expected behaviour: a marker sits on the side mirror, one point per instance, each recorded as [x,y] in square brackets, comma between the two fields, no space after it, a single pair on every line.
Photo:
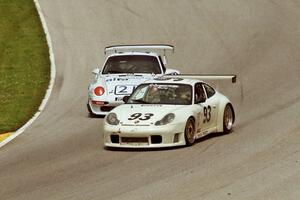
[125,98]
[96,71]
[172,72]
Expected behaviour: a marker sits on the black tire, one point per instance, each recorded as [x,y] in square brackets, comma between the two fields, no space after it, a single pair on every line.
[228,119]
[91,114]
[189,132]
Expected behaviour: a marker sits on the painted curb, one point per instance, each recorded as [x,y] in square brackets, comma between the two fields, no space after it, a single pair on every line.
[3,136]
[51,83]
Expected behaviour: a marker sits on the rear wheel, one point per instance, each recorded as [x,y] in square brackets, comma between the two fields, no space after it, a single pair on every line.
[189,132]
[228,119]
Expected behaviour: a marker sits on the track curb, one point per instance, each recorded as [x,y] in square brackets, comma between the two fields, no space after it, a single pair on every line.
[3,136]
[13,135]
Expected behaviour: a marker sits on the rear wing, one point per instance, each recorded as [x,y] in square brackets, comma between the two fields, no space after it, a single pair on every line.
[231,77]
[160,49]
[146,48]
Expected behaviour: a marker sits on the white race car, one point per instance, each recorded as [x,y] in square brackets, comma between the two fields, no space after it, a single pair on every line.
[168,112]
[126,66]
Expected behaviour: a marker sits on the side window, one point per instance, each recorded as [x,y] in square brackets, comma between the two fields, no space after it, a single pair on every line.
[209,90]
[199,93]
[162,64]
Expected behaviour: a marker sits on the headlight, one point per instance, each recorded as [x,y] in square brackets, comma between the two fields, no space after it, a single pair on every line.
[112,119]
[166,119]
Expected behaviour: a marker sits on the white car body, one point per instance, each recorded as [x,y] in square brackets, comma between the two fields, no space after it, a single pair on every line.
[138,125]
[117,85]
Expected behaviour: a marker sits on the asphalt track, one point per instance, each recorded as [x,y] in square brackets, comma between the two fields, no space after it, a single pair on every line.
[61,155]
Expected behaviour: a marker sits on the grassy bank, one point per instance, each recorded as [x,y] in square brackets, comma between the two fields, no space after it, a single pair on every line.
[24,63]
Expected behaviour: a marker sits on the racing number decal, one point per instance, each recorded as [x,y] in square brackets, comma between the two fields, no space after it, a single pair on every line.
[207,114]
[138,115]
[134,116]
[146,116]
[123,90]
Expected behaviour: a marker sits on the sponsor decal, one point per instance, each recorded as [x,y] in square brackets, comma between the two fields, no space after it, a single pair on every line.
[119,99]
[151,105]
[122,79]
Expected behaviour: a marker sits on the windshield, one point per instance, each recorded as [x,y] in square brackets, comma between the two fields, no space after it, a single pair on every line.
[162,94]
[132,64]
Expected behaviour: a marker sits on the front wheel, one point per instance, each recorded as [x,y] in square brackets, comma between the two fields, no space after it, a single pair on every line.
[228,119]
[189,132]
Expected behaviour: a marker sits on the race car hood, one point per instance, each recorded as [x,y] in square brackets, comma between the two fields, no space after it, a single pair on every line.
[119,84]
[144,114]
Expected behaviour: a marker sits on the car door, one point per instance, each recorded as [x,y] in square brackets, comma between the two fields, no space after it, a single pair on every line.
[206,98]
[204,114]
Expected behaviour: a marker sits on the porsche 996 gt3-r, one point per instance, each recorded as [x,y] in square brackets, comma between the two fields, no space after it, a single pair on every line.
[168,112]
[124,69]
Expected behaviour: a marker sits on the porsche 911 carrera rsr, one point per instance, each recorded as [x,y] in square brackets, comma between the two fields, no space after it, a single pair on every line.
[168,112]
[126,66]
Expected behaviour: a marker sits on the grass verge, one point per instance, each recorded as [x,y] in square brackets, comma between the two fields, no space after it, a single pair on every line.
[24,63]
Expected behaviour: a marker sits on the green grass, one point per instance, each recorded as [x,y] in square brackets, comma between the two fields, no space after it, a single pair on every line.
[24,63]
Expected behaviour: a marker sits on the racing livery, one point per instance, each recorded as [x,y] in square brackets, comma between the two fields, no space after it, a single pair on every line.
[168,112]
[126,66]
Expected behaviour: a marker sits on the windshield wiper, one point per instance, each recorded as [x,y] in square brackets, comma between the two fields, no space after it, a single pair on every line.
[114,72]
[140,101]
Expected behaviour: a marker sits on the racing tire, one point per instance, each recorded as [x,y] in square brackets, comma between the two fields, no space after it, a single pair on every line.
[189,132]
[228,119]
[91,114]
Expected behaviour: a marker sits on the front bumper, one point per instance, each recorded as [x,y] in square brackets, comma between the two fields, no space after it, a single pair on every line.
[131,136]
[101,109]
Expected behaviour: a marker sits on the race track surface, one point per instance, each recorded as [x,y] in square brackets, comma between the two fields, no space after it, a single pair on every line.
[61,155]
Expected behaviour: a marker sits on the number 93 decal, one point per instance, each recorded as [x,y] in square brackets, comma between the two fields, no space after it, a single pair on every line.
[140,116]
[207,114]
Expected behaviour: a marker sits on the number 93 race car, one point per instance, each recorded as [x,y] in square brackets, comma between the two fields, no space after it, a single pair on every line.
[126,66]
[169,111]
